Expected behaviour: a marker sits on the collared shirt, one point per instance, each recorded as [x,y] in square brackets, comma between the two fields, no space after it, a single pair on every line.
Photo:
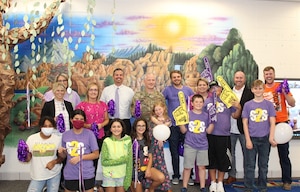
[126,95]
[234,128]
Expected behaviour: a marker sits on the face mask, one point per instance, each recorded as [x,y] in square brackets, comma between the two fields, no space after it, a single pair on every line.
[47,131]
[78,124]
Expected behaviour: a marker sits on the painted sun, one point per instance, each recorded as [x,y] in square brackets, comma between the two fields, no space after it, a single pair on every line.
[169,30]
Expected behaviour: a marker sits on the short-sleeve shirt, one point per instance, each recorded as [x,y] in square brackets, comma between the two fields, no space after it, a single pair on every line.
[77,144]
[125,100]
[196,131]
[143,154]
[223,123]
[95,113]
[258,115]
[171,95]
[278,101]
[43,151]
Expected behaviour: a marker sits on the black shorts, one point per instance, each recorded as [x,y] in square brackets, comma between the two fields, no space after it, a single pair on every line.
[73,185]
[219,155]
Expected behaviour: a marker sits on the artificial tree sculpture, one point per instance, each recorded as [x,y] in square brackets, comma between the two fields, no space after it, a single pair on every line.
[8,39]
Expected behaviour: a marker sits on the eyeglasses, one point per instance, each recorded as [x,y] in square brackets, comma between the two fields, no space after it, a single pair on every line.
[63,106]
[93,90]
[141,125]
[60,81]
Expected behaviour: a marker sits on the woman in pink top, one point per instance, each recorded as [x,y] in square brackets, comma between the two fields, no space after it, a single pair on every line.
[96,113]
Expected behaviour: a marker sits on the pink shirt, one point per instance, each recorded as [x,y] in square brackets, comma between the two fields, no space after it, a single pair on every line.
[95,112]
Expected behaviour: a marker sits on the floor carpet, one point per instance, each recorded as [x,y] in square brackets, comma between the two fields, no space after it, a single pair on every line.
[273,186]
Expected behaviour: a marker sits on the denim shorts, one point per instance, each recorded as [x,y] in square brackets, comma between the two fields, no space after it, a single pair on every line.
[112,182]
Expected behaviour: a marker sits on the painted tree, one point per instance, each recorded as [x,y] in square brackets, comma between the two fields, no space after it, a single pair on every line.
[9,38]
[228,58]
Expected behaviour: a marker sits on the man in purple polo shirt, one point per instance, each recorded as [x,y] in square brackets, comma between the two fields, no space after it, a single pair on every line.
[171,95]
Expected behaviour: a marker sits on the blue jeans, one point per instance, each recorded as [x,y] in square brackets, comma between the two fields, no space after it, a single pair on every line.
[233,140]
[261,149]
[174,139]
[52,184]
[285,163]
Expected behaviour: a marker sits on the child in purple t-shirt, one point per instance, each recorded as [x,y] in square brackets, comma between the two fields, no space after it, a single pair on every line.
[259,127]
[219,139]
[195,143]
[79,146]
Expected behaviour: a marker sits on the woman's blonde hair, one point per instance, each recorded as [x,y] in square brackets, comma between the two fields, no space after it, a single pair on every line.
[56,85]
[88,88]
[204,80]
[61,75]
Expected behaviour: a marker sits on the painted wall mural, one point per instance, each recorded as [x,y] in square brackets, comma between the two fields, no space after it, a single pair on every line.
[89,39]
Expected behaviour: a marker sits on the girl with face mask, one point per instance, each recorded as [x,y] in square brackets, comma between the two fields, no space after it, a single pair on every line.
[45,164]
[79,146]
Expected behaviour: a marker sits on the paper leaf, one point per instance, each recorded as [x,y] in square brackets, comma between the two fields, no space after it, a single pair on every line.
[70,39]
[25,18]
[17,63]
[62,34]
[33,46]
[60,19]
[82,33]
[87,48]
[16,48]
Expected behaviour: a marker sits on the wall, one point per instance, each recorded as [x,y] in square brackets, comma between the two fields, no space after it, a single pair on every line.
[270,29]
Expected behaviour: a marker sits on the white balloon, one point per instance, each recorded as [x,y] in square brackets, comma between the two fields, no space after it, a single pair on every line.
[161,132]
[283,133]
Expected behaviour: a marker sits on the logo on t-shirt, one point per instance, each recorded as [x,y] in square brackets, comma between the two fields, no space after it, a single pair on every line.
[44,149]
[220,107]
[75,148]
[259,115]
[196,126]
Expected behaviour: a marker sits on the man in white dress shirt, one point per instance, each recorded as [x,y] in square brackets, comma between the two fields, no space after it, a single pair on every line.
[244,94]
[122,110]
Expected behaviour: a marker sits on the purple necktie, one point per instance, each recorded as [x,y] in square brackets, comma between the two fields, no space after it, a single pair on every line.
[117,112]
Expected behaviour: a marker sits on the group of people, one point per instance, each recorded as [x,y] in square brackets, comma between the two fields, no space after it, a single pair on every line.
[256,126]
[132,158]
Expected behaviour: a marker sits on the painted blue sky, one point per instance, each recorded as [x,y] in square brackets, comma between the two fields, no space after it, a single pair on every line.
[116,28]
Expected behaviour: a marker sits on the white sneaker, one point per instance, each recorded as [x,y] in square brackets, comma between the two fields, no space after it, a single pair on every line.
[220,187]
[213,187]
[175,181]
[191,182]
